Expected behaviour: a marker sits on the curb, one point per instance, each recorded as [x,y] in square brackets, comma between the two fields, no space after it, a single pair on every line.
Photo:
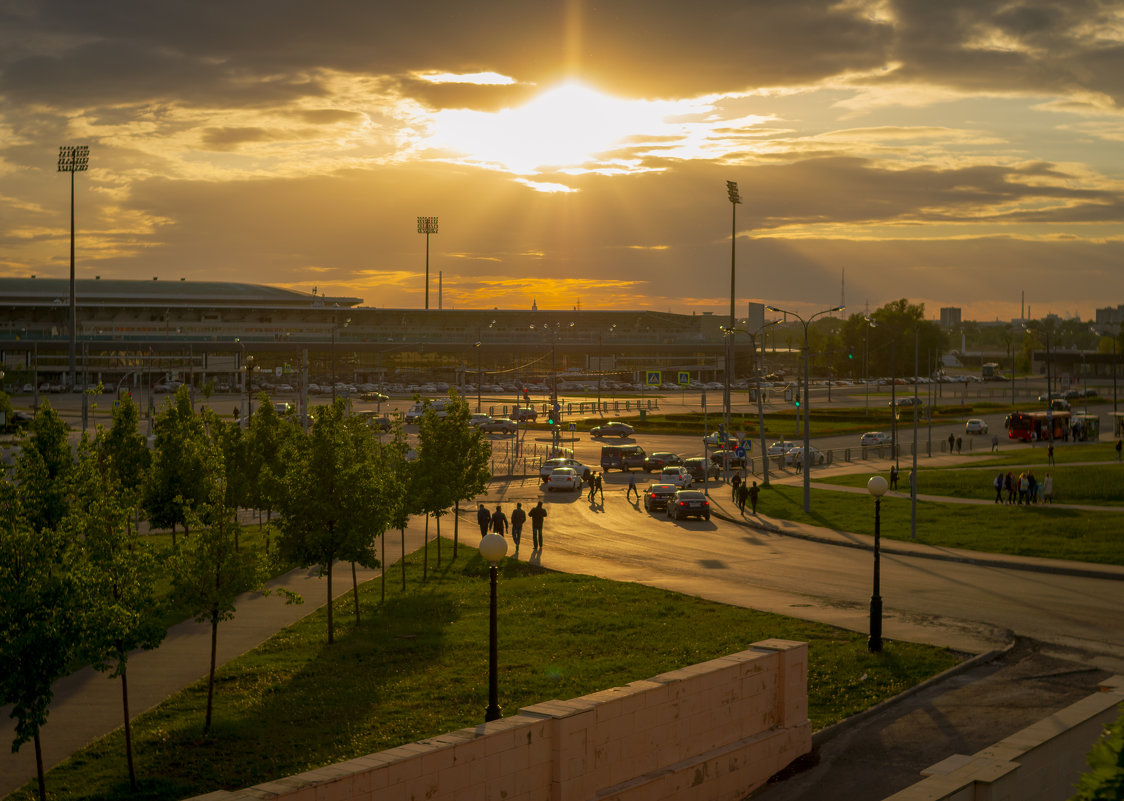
[983,561]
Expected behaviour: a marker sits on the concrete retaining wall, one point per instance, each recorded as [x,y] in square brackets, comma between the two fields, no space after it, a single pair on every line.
[709,732]
[1043,762]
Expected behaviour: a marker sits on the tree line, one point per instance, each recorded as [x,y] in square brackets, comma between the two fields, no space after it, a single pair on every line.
[78,576]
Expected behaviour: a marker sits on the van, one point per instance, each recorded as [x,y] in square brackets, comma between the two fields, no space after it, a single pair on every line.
[622,457]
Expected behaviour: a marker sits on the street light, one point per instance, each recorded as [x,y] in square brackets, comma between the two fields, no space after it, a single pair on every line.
[493,548]
[479,347]
[876,486]
[72,159]
[427,226]
[870,323]
[555,408]
[335,325]
[251,368]
[600,361]
[806,466]
[735,199]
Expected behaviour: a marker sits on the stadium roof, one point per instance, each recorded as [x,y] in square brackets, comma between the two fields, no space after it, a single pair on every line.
[119,292]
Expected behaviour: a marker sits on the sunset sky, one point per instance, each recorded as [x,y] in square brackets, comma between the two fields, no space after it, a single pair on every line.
[955,153]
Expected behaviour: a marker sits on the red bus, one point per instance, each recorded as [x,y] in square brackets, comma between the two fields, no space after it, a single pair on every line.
[1034,426]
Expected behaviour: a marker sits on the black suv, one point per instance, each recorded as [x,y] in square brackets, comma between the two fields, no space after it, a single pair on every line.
[622,457]
[658,461]
[701,470]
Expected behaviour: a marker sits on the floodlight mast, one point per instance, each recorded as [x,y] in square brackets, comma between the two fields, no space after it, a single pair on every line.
[72,159]
[427,226]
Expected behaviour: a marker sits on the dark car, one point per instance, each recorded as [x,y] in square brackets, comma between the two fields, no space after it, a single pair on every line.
[660,460]
[657,496]
[688,503]
[621,430]
[728,460]
[524,413]
[17,420]
[701,469]
[374,397]
[622,457]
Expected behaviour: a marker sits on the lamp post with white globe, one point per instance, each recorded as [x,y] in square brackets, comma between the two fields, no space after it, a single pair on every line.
[493,548]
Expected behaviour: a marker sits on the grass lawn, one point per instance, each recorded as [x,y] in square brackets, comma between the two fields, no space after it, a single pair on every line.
[1103,451]
[417,666]
[1041,531]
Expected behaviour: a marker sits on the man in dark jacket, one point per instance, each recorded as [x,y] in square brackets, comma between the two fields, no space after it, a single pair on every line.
[499,522]
[483,518]
[537,514]
[518,518]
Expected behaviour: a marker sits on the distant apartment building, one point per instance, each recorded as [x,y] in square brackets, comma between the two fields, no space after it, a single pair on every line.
[950,316]
[1110,316]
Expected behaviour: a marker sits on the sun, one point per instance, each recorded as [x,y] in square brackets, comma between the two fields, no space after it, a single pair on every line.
[564,127]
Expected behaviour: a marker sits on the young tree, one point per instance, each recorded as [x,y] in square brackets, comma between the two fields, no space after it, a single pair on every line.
[265,463]
[117,573]
[39,620]
[43,470]
[330,508]
[177,482]
[124,446]
[209,572]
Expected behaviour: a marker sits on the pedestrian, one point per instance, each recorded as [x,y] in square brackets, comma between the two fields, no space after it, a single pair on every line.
[995,443]
[483,518]
[1118,447]
[912,483]
[1050,454]
[1023,485]
[998,487]
[743,496]
[754,491]
[537,514]
[499,521]
[1048,488]
[951,442]
[959,442]
[1031,488]
[893,476]
[735,482]
[632,487]
[592,486]
[597,485]
[1009,486]
[518,518]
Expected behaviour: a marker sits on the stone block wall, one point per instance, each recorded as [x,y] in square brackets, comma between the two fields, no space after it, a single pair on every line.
[714,731]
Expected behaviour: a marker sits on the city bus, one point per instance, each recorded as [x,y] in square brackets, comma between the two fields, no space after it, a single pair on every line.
[1034,426]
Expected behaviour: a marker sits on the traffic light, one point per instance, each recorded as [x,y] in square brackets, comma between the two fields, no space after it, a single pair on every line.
[796,399]
[850,353]
[550,418]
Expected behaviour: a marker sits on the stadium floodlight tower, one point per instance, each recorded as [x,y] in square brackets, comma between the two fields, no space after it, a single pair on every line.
[72,159]
[735,199]
[427,226]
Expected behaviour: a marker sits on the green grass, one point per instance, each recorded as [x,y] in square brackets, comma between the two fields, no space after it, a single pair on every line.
[1041,531]
[417,666]
[1035,455]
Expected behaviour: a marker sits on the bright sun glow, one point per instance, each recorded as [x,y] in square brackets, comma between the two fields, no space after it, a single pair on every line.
[563,127]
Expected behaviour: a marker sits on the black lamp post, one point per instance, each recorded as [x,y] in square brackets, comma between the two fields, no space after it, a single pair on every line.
[73,159]
[877,487]
[493,548]
[735,199]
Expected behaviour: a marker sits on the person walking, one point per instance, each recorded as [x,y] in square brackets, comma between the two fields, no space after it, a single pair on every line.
[1048,488]
[1119,445]
[483,519]
[754,491]
[499,522]
[518,518]
[632,487]
[959,442]
[995,443]
[598,487]
[1009,486]
[893,477]
[998,487]
[743,496]
[951,442]
[592,485]
[537,515]
[1050,454]
[735,482]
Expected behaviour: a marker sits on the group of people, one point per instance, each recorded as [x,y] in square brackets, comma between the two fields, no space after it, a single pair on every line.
[743,492]
[1023,489]
[497,523]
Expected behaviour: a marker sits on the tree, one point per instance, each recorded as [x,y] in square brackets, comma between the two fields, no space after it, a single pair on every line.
[117,573]
[209,572]
[265,463]
[177,482]
[892,336]
[39,620]
[43,470]
[124,446]
[330,509]
[452,463]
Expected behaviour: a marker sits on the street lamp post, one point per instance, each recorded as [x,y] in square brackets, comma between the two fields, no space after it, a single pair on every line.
[806,461]
[335,325]
[479,374]
[876,486]
[870,323]
[735,199]
[251,368]
[601,362]
[427,226]
[72,159]
[493,548]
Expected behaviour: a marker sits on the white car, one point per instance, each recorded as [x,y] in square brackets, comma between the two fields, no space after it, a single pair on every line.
[550,465]
[796,455]
[781,448]
[677,475]
[714,439]
[874,438]
[563,478]
[975,426]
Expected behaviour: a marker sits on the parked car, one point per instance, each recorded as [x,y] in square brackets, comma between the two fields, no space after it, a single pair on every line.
[660,460]
[702,469]
[498,425]
[676,475]
[622,457]
[656,496]
[727,460]
[796,456]
[975,426]
[17,421]
[563,478]
[874,438]
[616,429]
[688,503]
[550,465]
[479,419]
[524,413]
